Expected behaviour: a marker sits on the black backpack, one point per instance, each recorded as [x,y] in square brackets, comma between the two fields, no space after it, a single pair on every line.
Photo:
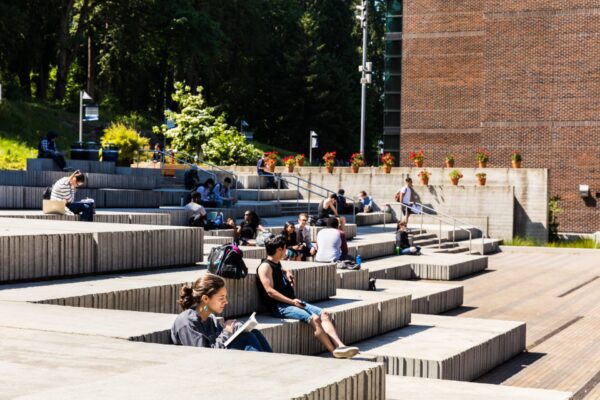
[47,193]
[227,262]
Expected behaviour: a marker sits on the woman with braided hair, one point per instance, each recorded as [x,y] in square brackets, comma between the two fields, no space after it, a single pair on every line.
[198,326]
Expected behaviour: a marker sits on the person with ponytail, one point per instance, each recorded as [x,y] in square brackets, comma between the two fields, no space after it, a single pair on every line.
[198,326]
[64,190]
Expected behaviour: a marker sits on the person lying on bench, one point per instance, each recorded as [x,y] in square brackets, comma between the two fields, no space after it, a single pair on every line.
[64,190]
[198,326]
[403,242]
[276,288]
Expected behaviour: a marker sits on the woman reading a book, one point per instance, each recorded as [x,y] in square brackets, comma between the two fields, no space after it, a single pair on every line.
[198,326]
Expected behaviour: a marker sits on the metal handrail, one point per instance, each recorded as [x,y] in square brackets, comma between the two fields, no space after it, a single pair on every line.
[454,220]
[199,160]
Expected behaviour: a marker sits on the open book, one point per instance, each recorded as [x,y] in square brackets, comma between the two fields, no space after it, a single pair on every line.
[247,327]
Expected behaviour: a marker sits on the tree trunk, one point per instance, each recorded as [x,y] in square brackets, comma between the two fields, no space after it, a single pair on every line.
[90,66]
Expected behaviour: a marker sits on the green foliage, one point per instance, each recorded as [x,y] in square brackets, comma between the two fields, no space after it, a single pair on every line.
[128,140]
[521,241]
[195,123]
[230,148]
[553,212]
[13,154]
[565,244]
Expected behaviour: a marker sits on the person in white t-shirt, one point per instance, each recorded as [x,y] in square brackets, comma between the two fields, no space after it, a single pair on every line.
[406,197]
[329,242]
[196,212]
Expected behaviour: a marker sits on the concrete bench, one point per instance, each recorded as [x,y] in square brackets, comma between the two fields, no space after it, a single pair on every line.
[352,279]
[447,347]
[48,249]
[403,387]
[265,194]
[373,218]
[46,164]
[427,297]
[104,367]
[100,217]
[93,180]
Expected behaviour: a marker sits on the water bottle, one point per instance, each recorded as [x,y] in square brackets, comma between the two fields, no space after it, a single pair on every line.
[397,250]
[358,260]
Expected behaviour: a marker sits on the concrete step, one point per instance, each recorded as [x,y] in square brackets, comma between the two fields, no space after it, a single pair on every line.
[409,388]
[352,279]
[373,218]
[447,347]
[107,217]
[427,297]
[93,180]
[106,368]
[51,249]
[46,164]
[158,291]
[265,194]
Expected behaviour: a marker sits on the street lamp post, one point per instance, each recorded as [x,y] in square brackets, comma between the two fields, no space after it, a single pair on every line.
[365,68]
[82,96]
[313,144]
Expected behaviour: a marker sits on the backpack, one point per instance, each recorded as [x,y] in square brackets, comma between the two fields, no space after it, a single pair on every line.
[227,262]
[47,193]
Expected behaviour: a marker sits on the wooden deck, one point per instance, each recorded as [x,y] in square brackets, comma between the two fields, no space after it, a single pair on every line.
[558,295]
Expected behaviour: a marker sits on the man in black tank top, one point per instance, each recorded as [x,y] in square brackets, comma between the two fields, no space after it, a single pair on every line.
[276,288]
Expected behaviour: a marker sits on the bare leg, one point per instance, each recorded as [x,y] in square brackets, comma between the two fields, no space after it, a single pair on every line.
[329,328]
[320,334]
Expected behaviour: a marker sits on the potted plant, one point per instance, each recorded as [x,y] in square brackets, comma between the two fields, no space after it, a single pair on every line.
[516,159]
[455,176]
[357,160]
[271,161]
[388,162]
[329,160]
[417,157]
[449,161]
[424,176]
[290,163]
[299,160]
[481,178]
[483,156]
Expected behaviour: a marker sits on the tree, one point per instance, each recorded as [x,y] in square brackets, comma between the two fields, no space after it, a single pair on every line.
[230,147]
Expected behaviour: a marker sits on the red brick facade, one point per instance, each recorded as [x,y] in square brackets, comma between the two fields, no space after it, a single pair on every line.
[508,75]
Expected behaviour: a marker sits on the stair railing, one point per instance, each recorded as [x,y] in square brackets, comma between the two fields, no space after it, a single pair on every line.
[176,159]
[198,161]
[462,225]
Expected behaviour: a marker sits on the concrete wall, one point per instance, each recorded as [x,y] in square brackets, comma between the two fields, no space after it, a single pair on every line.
[524,215]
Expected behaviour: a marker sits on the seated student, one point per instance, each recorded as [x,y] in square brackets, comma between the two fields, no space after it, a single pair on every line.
[276,288]
[197,213]
[157,155]
[198,326]
[403,242]
[261,170]
[206,194]
[250,226]
[294,249]
[191,180]
[344,246]
[366,202]
[222,193]
[64,190]
[303,236]
[327,209]
[342,204]
[47,149]
[329,242]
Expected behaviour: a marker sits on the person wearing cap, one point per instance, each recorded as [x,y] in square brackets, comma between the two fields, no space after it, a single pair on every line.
[191,180]
[47,149]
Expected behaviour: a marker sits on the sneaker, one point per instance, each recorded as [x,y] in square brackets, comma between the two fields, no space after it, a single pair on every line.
[345,352]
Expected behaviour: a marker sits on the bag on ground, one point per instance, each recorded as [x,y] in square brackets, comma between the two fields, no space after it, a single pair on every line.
[227,262]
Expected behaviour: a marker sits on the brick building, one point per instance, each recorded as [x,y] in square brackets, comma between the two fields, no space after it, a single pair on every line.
[505,75]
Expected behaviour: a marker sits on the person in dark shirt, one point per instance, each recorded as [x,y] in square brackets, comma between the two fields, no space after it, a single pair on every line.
[261,170]
[294,249]
[47,149]
[276,288]
[403,242]
[342,203]
[198,326]
[191,180]
[249,227]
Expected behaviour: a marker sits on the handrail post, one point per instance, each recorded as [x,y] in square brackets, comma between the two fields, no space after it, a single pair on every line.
[470,245]
[422,212]
[354,213]
[259,187]
[454,230]
[298,193]
[278,189]
[440,236]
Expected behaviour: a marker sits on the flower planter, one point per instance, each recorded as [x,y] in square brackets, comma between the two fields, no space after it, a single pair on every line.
[516,164]
[425,181]
[454,181]
[354,169]
[449,163]
[482,164]
[290,168]
[387,169]
[271,167]
[329,168]
[299,163]
[481,181]
[418,163]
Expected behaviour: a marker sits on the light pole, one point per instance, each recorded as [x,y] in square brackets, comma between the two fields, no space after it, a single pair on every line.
[365,68]
[313,144]
[380,145]
[82,96]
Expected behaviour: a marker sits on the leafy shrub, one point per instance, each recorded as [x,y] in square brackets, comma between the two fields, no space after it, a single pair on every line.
[228,148]
[127,139]
[13,154]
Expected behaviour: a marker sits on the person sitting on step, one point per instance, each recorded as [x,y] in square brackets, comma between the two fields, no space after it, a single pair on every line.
[303,236]
[250,226]
[198,326]
[294,248]
[64,190]
[276,288]
[366,202]
[196,212]
[206,193]
[342,203]
[261,170]
[403,242]
[222,193]
[47,149]
[327,209]
[191,180]
[329,242]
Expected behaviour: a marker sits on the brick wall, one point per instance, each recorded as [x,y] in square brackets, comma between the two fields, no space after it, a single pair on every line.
[506,75]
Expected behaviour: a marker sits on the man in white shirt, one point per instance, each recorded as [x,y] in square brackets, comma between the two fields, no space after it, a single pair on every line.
[406,197]
[329,242]
[303,236]
[196,213]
